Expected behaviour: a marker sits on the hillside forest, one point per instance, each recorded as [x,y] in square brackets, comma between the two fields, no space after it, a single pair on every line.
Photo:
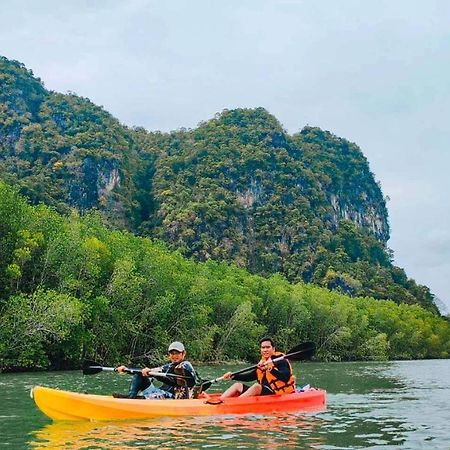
[116,240]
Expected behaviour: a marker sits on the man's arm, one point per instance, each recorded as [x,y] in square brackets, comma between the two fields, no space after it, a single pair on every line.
[282,370]
[169,381]
[246,376]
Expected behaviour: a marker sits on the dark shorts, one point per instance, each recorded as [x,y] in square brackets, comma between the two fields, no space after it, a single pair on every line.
[265,390]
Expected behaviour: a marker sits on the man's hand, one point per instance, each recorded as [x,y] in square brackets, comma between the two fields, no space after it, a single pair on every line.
[145,371]
[227,376]
[121,369]
[266,365]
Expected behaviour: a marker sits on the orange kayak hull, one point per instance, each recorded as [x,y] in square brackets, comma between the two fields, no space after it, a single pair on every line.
[64,405]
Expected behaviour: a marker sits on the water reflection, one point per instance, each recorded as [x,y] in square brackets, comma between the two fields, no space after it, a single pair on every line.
[285,431]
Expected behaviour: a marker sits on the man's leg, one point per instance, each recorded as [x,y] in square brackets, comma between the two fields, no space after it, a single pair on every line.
[252,391]
[156,393]
[233,391]
[138,383]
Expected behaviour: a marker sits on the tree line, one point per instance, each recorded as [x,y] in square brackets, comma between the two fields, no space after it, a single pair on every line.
[72,288]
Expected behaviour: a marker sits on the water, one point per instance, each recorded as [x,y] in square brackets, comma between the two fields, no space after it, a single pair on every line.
[392,405]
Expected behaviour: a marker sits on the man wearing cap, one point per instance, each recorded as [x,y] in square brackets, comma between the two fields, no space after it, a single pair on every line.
[172,387]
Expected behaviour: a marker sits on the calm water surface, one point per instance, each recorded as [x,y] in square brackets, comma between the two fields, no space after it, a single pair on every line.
[393,405]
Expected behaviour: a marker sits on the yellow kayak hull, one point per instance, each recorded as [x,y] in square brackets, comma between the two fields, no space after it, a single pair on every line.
[64,405]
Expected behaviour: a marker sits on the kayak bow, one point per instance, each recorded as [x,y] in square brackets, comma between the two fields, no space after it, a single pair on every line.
[65,405]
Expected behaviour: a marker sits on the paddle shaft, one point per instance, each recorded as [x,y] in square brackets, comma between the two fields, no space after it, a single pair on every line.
[133,371]
[114,369]
[280,358]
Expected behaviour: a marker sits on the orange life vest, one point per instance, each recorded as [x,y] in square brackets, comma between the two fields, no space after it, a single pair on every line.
[278,387]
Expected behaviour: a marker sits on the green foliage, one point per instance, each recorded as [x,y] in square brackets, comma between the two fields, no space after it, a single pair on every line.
[238,188]
[72,289]
[240,334]
[36,326]
[62,149]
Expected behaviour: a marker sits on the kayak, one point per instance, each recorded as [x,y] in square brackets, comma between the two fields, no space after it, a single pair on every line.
[64,405]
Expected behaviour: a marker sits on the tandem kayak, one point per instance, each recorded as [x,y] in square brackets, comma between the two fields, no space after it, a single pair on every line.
[65,405]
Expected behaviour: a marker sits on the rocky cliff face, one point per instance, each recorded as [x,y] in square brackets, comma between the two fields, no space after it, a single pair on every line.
[346,178]
[365,215]
[93,183]
[238,188]
[80,156]
[62,149]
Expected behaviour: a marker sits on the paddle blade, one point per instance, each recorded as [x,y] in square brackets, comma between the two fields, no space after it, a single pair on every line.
[91,368]
[206,385]
[301,352]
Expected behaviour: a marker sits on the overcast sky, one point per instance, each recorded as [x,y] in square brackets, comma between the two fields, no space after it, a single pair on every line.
[374,72]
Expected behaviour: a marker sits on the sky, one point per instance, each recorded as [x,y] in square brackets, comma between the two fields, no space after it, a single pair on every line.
[374,72]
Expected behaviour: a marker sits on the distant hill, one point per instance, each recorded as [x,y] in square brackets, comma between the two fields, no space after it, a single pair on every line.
[62,149]
[238,188]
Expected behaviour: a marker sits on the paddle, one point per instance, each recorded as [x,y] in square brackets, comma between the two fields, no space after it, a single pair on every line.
[300,352]
[92,367]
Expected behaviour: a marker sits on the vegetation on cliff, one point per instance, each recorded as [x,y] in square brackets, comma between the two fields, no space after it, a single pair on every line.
[62,149]
[238,188]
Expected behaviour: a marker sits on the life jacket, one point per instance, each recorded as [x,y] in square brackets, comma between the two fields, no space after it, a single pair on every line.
[278,387]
